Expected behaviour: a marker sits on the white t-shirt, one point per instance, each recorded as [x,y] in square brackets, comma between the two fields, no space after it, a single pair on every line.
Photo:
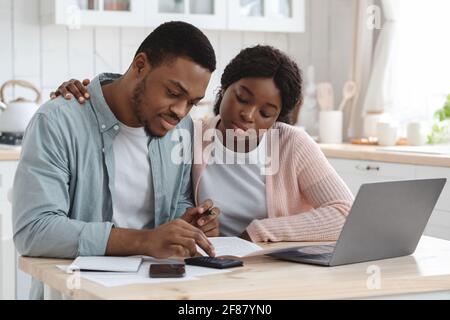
[238,190]
[133,196]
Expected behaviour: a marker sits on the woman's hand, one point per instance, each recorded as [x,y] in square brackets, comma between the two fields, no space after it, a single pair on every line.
[205,217]
[73,88]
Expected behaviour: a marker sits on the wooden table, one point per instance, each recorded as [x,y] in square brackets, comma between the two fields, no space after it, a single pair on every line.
[426,271]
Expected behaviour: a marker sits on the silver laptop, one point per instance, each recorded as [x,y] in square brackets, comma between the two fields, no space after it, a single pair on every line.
[386,221]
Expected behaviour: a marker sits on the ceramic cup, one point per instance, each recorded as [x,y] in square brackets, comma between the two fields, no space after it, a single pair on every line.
[416,134]
[330,123]
[387,134]
[371,120]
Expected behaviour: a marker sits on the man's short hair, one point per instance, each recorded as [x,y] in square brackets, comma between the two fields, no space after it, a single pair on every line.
[178,39]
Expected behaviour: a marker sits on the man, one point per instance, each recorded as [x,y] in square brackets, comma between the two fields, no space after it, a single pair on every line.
[98,179]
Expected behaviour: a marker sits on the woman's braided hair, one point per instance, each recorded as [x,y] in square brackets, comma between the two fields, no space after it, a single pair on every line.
[265,62]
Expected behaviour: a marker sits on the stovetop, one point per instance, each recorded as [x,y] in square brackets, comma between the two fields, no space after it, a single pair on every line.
[11,138]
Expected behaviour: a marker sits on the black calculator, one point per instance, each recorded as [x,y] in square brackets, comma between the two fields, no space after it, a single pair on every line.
[216,263]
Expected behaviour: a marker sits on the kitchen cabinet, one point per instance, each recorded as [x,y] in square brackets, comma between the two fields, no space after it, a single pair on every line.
[439,224]
[204,14]
[244,15]
[267,15]
[77,13]
[357,172]
[424,172]
[15,283]
[7,249]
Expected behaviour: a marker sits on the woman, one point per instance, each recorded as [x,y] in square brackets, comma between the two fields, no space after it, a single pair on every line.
[299,197]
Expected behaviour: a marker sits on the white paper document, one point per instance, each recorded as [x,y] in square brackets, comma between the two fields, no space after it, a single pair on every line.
[235,247]
[240,248]
[106,264]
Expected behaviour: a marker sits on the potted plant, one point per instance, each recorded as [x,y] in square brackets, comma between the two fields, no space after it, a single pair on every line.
[440,132]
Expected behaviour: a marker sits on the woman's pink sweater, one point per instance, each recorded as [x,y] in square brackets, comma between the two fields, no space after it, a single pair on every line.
[306,198]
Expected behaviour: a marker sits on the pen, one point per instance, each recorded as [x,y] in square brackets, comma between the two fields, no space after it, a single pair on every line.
[208,213]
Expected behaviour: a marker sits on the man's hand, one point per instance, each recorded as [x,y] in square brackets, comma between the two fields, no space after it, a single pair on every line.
[205,217]
[178,238]
[73,88]
[173,239]
[245,236]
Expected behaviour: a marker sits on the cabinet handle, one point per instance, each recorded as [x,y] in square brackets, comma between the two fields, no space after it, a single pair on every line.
[367,168]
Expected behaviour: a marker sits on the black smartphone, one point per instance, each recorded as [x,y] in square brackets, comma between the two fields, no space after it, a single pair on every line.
[167,271]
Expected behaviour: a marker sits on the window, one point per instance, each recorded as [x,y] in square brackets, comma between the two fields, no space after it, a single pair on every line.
[420,70]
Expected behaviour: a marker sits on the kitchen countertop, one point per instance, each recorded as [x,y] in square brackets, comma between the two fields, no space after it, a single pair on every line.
[9,154]
[340,151]
[373,153]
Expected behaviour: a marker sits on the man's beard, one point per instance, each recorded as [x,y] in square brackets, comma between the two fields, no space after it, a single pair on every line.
[138,104]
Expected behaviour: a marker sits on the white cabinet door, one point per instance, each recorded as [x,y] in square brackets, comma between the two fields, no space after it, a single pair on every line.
[23,283]
[7,250]
[7,171]
[439,225]
[204,14]
[355,172]
[77,13]
[267,15]
[244,15]
[7,269]
[423,172]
